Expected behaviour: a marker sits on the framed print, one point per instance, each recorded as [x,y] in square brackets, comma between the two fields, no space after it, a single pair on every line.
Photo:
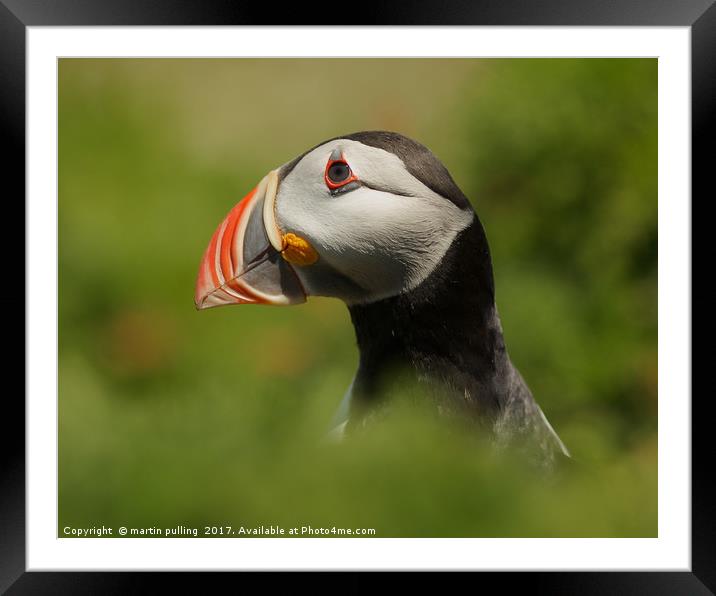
[400,180]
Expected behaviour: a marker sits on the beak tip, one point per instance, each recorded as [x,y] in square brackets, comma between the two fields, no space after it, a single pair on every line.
[200,294]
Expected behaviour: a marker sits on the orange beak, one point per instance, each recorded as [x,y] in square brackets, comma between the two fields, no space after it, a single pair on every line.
[243,263]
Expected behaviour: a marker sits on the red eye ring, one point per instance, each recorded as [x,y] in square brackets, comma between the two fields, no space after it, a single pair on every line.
[332,185]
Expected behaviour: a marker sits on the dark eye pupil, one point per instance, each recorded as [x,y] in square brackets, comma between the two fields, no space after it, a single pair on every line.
[338,172]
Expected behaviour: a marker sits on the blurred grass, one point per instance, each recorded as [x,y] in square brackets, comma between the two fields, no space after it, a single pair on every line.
[168,416]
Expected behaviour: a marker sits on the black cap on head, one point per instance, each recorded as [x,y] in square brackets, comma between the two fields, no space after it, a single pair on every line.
[418,160]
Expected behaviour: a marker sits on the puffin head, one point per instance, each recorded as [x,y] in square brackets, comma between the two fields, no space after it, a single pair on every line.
[361,217]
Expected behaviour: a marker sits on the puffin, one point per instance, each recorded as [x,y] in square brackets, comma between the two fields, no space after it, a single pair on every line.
[375,219]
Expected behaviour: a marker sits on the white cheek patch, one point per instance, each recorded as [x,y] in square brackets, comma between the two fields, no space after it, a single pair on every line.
[386,236]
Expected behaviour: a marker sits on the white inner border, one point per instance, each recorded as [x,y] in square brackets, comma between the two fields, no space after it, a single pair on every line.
[671,550]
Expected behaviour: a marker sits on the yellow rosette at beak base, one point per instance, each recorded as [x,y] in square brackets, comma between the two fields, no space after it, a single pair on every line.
[297,250]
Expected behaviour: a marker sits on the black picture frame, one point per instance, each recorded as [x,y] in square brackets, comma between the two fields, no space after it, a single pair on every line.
[17,15]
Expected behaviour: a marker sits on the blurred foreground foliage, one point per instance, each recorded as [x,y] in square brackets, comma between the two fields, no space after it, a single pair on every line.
[168,416]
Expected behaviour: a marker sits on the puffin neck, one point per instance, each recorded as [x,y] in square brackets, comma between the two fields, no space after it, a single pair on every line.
[445,330]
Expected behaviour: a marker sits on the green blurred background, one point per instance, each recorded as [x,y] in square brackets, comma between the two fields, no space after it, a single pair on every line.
[170,416]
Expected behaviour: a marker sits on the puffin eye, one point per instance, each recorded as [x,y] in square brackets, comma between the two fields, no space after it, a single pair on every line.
[338,173]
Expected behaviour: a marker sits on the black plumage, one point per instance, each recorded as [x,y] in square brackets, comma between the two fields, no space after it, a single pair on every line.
[446,333]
